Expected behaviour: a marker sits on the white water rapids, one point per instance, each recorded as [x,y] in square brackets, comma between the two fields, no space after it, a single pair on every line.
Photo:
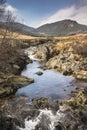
[48,118]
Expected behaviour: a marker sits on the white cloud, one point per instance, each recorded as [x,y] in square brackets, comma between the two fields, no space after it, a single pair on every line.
[75,13]
[10,9]
[81,15]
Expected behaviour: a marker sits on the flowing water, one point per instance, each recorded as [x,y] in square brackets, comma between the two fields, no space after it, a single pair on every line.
[45,116]
[49,84]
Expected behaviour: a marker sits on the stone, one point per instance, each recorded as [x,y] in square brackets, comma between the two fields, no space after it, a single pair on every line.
[40,103]
[39,73]
[16,66]
[9,83]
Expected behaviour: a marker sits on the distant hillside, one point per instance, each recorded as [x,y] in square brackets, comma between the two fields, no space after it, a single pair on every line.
[18,27]
[24,27]
[62,28]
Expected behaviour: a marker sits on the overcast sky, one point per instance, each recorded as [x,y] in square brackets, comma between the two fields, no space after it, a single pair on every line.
[35,13]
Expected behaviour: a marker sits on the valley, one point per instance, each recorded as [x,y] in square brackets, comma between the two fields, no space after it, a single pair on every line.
[57,97]
[43,65]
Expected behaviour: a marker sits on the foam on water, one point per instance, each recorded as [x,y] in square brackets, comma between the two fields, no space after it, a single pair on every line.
[49,117]
[30,53]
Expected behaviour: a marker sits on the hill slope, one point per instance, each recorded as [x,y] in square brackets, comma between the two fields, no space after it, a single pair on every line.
[18,27]
[24,27]
[61,28]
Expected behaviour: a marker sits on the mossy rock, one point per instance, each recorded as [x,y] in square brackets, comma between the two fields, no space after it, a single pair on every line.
[79,100]
[40,103]
[9,83]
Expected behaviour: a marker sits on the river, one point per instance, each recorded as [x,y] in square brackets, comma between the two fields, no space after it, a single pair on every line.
[49,84]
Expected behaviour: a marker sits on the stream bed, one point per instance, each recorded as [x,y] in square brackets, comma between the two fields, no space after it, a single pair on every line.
[49,84]
[35,106]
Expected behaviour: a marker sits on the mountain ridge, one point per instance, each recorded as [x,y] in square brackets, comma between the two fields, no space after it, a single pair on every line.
[62,28]
[59,28]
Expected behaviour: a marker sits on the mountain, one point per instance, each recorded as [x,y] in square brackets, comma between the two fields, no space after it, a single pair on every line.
[24,27]
[62,28]
[18,27]
[27,30]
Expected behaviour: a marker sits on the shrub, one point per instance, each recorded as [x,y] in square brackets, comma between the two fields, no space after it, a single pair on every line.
[80,49]
[8,54]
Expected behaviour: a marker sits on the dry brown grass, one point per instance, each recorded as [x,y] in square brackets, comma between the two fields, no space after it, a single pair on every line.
[65,42]
[26,37]
[18,36]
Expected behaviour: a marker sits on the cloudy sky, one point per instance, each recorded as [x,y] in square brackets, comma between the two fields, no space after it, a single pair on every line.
[35,13]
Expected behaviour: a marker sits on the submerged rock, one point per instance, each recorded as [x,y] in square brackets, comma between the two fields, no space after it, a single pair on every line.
[39,73]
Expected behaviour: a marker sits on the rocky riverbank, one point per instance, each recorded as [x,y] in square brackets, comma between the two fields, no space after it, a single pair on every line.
[67,58]
[12,61]
[22,113]
[44,113]
[69,64]
[10,70]
[9,83]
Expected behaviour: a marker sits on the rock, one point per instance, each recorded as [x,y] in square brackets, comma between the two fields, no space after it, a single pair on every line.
[40,103]
[30,113]
[8,122]
[9,83]
[44,53]
[81,75]
[63,117]
[14,61]
[58,126]
[62,58]
[67,63]
[39,73]
[79,100]
[69,72]
[5,122]
[16,66]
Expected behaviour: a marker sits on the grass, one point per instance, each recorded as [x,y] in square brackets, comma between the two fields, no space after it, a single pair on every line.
[65,42]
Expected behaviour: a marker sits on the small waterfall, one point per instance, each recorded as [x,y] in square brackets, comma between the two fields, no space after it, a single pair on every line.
[47,120]
[31,53]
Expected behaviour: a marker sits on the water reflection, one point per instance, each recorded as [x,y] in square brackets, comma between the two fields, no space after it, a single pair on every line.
[50,84]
